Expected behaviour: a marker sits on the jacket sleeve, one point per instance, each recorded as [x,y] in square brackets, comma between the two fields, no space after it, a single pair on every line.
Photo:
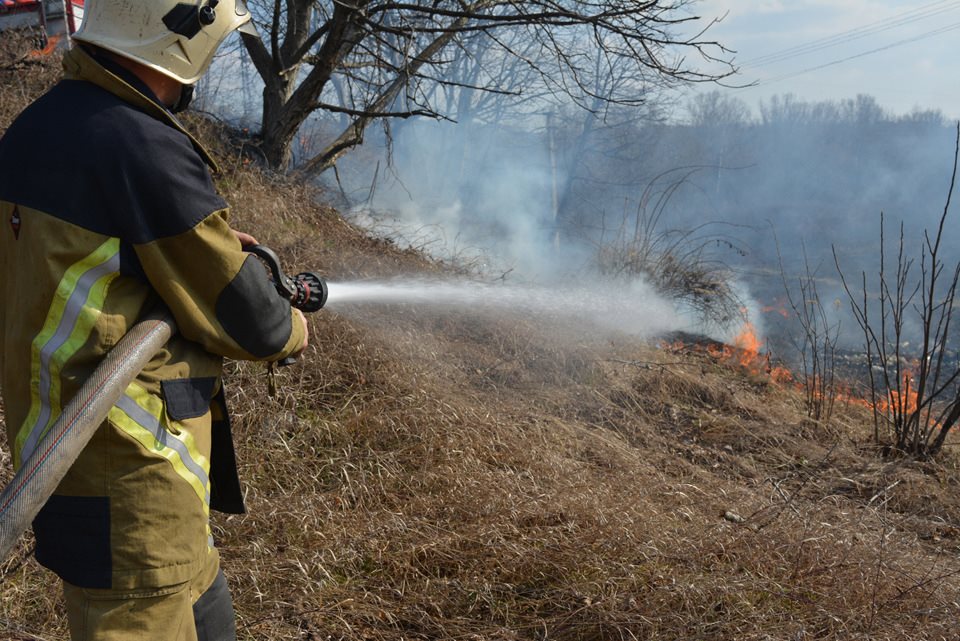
[165,206]
[220,296]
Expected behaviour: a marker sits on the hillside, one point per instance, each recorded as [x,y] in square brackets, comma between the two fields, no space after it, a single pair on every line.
[461,475]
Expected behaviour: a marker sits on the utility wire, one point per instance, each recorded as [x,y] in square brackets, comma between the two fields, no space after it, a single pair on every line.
[899,43]
[893,22]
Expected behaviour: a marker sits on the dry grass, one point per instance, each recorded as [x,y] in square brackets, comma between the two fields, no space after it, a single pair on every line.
[23,75]
[422,476]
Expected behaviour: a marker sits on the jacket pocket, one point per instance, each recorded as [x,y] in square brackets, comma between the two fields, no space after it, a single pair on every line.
[186,398]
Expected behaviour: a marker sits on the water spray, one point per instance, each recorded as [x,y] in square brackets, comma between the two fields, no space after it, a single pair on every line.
[631,307]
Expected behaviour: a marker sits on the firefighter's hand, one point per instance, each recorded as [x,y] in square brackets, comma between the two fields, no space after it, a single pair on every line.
[306,332]
[246,240]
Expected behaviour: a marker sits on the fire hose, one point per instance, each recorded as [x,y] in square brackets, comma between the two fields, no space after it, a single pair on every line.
[41,472]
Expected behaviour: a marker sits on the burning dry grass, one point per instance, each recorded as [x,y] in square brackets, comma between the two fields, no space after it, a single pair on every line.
[453,476]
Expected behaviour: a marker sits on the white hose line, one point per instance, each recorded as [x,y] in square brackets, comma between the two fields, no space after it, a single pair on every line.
[41,473]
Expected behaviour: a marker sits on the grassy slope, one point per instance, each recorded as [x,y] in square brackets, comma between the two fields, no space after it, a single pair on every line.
[424,476]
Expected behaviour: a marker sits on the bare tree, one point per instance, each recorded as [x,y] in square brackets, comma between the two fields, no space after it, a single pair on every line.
[915,394]
[717,109]
[372,59]
[817,343]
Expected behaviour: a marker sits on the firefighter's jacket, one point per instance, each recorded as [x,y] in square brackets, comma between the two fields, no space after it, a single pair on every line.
[107,210]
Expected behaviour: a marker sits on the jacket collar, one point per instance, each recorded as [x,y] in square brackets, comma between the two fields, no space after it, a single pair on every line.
[79,65]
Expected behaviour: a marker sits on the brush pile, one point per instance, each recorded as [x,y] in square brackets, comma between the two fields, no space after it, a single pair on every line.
[455,476]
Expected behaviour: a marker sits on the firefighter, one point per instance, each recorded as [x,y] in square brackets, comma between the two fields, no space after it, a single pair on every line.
[107,210]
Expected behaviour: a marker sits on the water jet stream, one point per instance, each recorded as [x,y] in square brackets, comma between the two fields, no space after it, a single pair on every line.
[628,307]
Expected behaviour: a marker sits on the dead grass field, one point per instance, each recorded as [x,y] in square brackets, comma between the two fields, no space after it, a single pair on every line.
[453,476]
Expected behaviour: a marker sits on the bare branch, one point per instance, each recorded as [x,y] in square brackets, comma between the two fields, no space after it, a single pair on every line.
[595,53]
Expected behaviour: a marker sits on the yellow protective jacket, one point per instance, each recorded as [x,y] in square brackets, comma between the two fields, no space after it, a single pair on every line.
[107,210]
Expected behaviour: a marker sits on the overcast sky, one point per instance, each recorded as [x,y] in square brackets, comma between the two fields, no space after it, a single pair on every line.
[905,53]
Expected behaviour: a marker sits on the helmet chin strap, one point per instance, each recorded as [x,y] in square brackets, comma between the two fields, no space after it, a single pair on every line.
[186,95]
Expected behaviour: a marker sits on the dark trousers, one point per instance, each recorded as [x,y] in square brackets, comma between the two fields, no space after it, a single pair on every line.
[213,613]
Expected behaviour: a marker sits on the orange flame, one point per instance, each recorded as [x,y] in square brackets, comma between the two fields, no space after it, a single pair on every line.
[781,375]
[745,352]
[52,42]
[749,344]
[779,306]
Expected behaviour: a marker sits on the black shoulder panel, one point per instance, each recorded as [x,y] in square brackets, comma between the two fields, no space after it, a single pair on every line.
[252,313]
[83,155]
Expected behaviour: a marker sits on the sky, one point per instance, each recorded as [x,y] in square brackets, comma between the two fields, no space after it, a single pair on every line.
[905,53]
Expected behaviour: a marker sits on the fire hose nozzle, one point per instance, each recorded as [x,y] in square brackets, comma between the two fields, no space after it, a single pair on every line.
[311,292]
[306,291]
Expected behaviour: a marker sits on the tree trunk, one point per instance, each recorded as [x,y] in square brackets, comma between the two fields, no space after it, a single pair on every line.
[277,134]
[287,104]
[353,134]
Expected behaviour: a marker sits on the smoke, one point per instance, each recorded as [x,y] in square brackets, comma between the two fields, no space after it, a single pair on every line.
[540,204]
[485,197]
[498,201]
[480,195]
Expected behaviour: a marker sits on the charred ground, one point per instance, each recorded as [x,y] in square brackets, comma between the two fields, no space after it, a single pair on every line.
[457,476]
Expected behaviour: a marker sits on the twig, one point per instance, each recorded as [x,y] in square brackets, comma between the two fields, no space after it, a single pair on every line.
[788,501]
[22,634]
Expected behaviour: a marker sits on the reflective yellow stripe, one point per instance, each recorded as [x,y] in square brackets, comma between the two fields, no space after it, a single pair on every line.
[140,414]
[75,310]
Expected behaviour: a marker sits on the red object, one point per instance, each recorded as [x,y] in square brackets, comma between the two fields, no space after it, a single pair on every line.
[74,15]
[20,6]
[55,24]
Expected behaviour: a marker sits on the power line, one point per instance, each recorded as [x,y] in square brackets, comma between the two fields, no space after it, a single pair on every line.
[893,22]
[899,43]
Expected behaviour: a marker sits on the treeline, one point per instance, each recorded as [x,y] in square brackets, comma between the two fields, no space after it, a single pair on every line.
[718,108]
[817,173]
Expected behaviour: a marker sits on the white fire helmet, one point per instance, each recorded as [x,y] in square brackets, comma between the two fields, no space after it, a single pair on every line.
[176,38]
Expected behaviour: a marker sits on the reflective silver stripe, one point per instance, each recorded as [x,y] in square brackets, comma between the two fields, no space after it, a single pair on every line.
[68,321]
[151,423]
